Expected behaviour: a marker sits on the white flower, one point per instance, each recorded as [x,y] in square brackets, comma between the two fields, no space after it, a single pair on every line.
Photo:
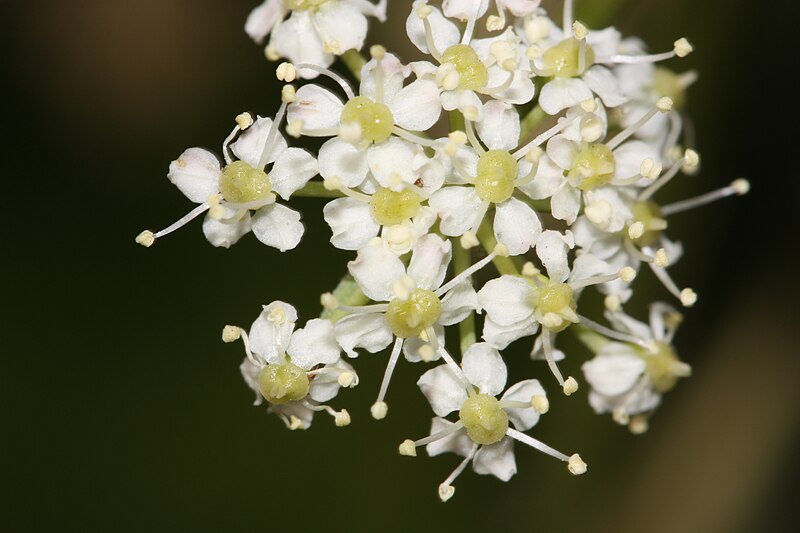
[482,433]
[294,370]
[316,31]
[628,379]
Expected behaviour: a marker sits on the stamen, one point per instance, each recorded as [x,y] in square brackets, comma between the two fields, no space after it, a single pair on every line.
[414,138]
[470,29]
[250,355]
[334,184]
[473,139]
[424,11]
[664,105]
[226,144]
[456,369]
[332,75]
[626,274]
[533,443]
[563,124]
[272,136]
[359,309]
[612,334]
[446,489]
[387,377]
[146,238]
[738,187]
[438,436]
[568,18]
[637,253]
[466,273]
[500,88]
[637,59]
[660,182]
[687,296]
[547,347]
[378,52]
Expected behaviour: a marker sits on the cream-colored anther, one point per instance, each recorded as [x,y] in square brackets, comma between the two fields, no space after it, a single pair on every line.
[740,186]
[146,238]
[529,269]
[599,212]
[660,259]
[534,155]
[551,320]
[688,297]
[682,47]
[446,492]
[407,448]
[570,386]
[328,301]
[471,113]
[469,240]
[664,104]
[536,28]
[638,425]
[351,132]
[426,353]
[216,211]
[620,416]
[231,333]
[377,51]
[534,52]
[579,30]
[494,23]
[286,72]
[627,274]
[501,250]
[271,53]
[589,105]
[691,159]
[244,120]
[288,94]
[424,10]
[635,230]
[346,379]
[612,302]
[342,418]
[277,316]
[295,423]
[447,77]
[576,465]
[540,403]
[673,319]
[295,128]
[379,410]
[650,169]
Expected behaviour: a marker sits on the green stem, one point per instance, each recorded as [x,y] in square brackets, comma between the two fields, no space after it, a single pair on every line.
[530,121]
[354,61]
[466,328]
[504,265]
[316,189]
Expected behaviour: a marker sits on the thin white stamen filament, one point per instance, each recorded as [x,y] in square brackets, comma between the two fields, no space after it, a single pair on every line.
[250,355]
[620,137]
[610,333]
[500,88]
[387,376]
[460,468]
[698,201]
[473,139]
[272,137]
[637,253]
[414,138]
[593,280]
[332,75]
[188,217]
[429,40]
[459,373]
[632,60]
[375,308]
[439,436]
[533,443]
[360,196]
[568,18]
[666,280]
[548,355]
[661,181]
[563,124]
[465,274]
[379,80]
[226,145]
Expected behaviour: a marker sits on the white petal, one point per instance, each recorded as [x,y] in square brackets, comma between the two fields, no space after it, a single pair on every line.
[459,208]
[389,162]
[363,330]
[271,331]
[196,173]
[496,459]
[524,419]
[252,143]
[548,180]
[297,39]
[561,93]
[317,108]
[429,261]
[394,75]
[444,391]
[516,225]
[501,336]
[587,265]
[412,346]
[262,19]
[314,345]
[562,151]
[225,234]
[278,226]
[507,300]
[342,160]
[458,303]
[417,106]
[614,370]
[445,33]
[552,249]
[629,156]
[566,203]
[520,8]
[499,129]
[351,223]
[484,368]
[250,374]
[457,442]
[464,9]
[342,24]
[291,171]
[605,85]
[323,390]
[294,410]
[376,270]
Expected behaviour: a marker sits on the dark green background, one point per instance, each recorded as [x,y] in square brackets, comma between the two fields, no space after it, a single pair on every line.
[123,411]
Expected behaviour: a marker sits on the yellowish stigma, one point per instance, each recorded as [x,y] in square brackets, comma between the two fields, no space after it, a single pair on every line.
[240,183]
[653,221]
[472,72]
[483,418]
[375,120]
[389,207]
[563,60]
[410,317]
[594,166]
[664,367]
[497,171]
[283,383]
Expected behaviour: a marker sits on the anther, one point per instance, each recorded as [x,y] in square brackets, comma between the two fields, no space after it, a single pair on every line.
[576,465]
[271,53]
[682,47]
[351,132]
[286,72]
[342,418]
[638,425]
[288,94]
[579,30]
[446,491]
[501,250]
[627,274]
[146,238]
[688,297]
[529,270]
[426,353]
[589,105]
[471,113]
[377,51]
[407,448]
[612,302]
[379,410]
[346,379]
[494,23]
[691,159]
[635,230]
[660,259]
[740,186]
[332,183]
[664,104]
[328,301]
[295,423]
[570,386]
[540,403]
[244,120]
[231,333]
[469,240]
[295,128]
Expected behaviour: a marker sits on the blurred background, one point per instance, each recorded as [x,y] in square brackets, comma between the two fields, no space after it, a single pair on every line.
[123,411]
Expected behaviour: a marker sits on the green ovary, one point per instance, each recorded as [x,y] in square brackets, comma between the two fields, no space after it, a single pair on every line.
[304,5]
[389,207]
[240,183]
[497,171]
[283,383]
[483,418]
[651,217]
[472,72]
[408,318]
[563,59]
[594,166]
[376,120]
[664,367]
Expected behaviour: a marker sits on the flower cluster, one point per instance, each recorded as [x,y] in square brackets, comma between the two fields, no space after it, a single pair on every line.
[559,139]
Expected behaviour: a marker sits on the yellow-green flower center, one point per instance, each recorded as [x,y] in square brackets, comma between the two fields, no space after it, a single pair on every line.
[283,383]
[471,70]
[664,367]
[651,217]
[593,166]
[389,207]
[497,171]
[483,418]
[240,183]
[304,5]
[410,317]
[551,299]
[564,59]
[374,119]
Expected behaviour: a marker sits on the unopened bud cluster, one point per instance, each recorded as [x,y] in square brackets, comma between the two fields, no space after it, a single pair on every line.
[446,227]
